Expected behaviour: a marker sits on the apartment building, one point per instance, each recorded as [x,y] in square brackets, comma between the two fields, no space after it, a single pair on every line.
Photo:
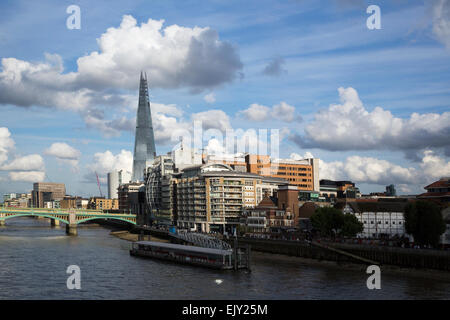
[159,189]
[211,197]
[100,203]
[304,174]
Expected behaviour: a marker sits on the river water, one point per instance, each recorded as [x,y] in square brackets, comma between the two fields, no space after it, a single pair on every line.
[34,258]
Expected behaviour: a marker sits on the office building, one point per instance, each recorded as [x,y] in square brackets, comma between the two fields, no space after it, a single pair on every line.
[333,190]
[45,192]
[144,145]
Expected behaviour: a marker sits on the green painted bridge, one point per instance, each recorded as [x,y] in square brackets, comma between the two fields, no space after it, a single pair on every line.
[71,217]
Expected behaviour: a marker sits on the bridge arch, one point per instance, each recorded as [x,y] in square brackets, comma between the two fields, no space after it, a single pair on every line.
[18,215]
[96,218]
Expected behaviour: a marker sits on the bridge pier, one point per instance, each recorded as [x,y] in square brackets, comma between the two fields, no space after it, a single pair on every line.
[54,222]
[71,229]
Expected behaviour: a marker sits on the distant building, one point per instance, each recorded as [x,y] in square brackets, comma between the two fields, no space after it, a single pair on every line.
[68,202]
[54,204]
[9,196]
[390,191]
[144,147]
[274,213]
[332,190]
[100,203]
[19,200]
[381,218]
[115,179]
[124,192]
[438,191]
[45,192]
[304,174]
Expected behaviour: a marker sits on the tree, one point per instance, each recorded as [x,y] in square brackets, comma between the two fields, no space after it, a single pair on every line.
[352,226]
[331,221]
[423,220]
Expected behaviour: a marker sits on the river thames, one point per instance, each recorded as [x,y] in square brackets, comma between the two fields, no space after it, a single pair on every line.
[34,258]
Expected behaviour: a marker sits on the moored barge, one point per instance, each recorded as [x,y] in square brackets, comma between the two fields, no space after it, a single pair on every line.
[199,256]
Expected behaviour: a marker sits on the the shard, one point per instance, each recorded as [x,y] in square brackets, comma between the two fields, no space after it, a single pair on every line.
[144,144]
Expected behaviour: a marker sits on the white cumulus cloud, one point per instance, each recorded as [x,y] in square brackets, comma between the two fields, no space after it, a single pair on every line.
[27,176]
[64,153]
[212,119]
[281,111]
[349,126]
[6,144]
[105,162]
[210,97]
[32,162]
[441,21]
[376,171]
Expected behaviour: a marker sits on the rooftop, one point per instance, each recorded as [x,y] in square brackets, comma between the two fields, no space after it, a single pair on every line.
[442,183]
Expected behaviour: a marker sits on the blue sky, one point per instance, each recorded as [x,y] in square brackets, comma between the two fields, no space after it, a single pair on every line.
[75,108]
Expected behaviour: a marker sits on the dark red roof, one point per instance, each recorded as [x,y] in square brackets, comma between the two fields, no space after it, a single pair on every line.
[266,203]
[439,184]
[433,194]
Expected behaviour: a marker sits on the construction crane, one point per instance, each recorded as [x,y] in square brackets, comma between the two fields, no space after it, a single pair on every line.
[98,183]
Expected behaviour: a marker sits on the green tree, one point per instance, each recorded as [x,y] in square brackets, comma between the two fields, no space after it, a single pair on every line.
[423,220]
[331,221]
[352,226]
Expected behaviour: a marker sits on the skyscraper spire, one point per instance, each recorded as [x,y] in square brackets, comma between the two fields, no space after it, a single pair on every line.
[144,144]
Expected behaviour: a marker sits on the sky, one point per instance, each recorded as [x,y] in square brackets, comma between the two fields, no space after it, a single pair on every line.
[373,104]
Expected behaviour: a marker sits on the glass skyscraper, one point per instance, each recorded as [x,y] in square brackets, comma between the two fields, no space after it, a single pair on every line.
[144,144]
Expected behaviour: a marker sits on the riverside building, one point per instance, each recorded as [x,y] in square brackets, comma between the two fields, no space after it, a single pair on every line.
[382,218]
[212,197]
[159,190]
[304,174]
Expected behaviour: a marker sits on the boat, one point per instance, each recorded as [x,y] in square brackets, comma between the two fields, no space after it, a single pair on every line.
[199,256]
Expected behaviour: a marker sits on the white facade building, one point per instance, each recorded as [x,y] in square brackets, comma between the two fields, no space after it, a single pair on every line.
[115,179]
[380,219]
